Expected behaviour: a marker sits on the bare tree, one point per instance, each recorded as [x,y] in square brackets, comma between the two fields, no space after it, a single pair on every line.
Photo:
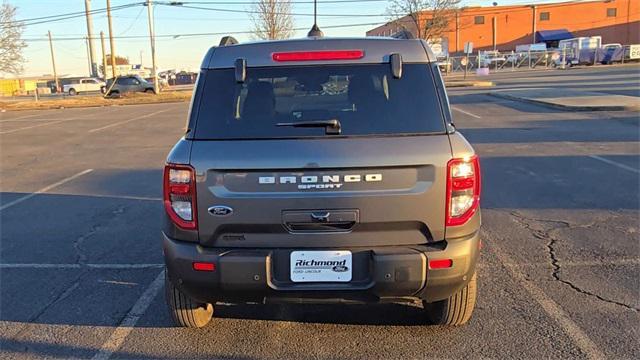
[11,43]
[426,19]
[272,19]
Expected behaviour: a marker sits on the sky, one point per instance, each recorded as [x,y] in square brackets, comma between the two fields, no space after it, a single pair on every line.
[175,52]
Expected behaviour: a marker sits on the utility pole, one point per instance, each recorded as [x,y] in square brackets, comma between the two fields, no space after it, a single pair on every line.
[533,24]
[111,43]
[89,59]
[53,62]
[457,30]
[104,56]
[92,53]
[152,38]
[495,33]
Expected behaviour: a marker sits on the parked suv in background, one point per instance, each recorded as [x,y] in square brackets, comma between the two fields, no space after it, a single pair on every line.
[321,170]
[128,84]
[83,86]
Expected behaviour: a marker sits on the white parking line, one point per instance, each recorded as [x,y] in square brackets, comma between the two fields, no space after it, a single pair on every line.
[44,189]
[123,330]
[553,310]
[78,266]
[20,117]
[129,120]
[33,126]
[466,112]
[615,163]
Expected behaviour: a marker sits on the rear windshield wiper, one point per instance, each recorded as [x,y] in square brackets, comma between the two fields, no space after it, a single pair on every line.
[331,126]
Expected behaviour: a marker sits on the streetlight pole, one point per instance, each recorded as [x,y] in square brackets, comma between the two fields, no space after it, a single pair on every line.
[92,52]
[53,62]
[111,42]
[152,38]
[104,56]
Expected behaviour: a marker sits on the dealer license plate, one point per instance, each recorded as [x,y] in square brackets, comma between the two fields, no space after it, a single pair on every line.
[321,266]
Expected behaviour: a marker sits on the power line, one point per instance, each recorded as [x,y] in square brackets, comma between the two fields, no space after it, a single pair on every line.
[257,12]
[60,17]
[133,22]
[292,2]
[176,36]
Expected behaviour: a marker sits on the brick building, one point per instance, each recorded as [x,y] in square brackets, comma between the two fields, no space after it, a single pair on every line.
[504,27]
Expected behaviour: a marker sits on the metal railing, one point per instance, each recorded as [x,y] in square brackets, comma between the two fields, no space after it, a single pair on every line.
[496,61]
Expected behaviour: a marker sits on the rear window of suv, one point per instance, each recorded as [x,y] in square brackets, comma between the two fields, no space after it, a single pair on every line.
[365,99]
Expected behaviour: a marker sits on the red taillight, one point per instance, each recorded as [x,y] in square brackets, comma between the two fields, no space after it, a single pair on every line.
[318,55]
[440,264]
[180,195]
[204,266]
[463,190]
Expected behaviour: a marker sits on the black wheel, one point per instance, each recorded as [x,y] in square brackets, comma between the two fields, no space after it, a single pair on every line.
[114,94]
[149,91]
[72,92]
[457,309]
[185,311]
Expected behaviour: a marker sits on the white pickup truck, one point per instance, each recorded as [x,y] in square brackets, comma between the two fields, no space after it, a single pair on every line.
[84,85]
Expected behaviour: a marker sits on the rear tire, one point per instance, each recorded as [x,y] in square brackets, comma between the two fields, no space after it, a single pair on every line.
[457,309]
[185,311]
[73,92]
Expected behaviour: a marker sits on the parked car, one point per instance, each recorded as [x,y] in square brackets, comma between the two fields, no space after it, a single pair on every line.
[85,85]
[321,170]
[491,59]
[128,84]
[445,65]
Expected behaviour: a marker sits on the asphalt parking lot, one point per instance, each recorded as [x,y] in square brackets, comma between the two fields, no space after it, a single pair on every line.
[81,262]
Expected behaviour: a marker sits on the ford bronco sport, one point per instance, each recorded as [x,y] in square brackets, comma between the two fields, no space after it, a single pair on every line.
[321,170]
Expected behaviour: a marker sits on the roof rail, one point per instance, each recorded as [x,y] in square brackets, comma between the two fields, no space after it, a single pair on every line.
[228,40]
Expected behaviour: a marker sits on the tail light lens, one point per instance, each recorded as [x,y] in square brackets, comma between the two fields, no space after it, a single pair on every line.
[463,190]
[180,195]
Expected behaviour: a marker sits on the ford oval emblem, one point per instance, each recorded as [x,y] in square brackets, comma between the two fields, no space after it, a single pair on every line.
[220,210]
[340,268]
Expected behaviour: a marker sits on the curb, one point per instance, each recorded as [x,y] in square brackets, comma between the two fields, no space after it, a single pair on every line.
[72,106]
[469,84]
[566,107]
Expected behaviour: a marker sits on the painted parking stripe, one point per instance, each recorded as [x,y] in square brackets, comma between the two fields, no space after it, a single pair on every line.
[553,310]
[44,189]
[129,120]
[615,163]
[33,126]
[21,117]
[119,335]
[466,112]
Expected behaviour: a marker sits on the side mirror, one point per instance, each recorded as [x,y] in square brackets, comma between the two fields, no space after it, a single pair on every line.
[241,70]
[396,65]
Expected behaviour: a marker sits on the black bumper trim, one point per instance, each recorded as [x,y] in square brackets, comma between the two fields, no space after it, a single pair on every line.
[258,275]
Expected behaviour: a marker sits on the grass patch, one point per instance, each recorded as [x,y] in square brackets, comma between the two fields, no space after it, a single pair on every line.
[92,101]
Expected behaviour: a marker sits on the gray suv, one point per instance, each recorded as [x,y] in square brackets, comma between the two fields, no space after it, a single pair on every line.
[321,170]
[128,84]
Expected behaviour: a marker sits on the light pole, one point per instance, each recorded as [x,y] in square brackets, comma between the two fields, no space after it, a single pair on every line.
[152,38]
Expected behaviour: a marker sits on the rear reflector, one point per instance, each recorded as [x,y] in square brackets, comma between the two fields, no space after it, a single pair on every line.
[318,55]
[204,266]
[440,264]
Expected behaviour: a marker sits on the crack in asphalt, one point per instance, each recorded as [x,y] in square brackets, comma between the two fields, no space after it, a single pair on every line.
[550,245]
[81,258]
[63,295]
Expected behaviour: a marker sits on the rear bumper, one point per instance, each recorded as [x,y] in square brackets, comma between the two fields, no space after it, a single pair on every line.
[379,274]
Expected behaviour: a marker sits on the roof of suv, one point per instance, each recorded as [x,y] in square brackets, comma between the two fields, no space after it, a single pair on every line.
[376,50]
